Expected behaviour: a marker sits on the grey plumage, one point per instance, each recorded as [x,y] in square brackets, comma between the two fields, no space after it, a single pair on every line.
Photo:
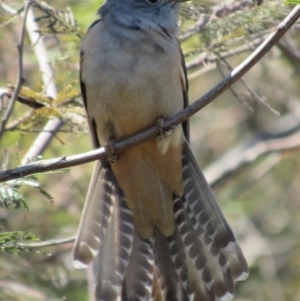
[150,224]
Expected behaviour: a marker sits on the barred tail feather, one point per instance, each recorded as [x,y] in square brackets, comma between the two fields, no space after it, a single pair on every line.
[96,215]
[170,263]
[200,261]
[139,275]
[114,254]
[209,233]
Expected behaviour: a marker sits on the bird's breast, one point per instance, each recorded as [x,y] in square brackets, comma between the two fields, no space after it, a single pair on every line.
[129,84]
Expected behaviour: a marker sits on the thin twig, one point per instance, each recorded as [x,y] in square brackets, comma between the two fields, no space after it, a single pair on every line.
[47,243]
[290,49]
[15,123]
[169,123]
[259,99]
[237,158]
[235,94]
[209,61]
[20,78]
[204,58]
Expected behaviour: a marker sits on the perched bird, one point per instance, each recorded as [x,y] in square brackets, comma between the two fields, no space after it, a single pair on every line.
[150,224]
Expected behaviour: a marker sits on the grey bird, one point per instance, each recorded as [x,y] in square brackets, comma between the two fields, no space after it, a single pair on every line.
[150,223]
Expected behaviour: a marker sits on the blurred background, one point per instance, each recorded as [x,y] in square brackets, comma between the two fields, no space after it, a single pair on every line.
[246,141]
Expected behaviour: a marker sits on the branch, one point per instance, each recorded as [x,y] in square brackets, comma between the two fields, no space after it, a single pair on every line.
[235,94]
[28,101]
[47,243]
[204,58]
[169,123]
[290,49]
[20,78]
[237,158]
[52,126]
[15,123]
[258,98]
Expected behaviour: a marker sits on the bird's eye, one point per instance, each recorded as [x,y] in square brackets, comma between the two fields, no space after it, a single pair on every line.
[152,1]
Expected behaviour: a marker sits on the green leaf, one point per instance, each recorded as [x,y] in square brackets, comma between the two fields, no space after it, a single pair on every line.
[292,2]
[10,196]
[9,241]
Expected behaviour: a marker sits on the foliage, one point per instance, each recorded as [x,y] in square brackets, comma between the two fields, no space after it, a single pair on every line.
[9,242]
[54,21]
[10,194]
[292,2]
[220,33]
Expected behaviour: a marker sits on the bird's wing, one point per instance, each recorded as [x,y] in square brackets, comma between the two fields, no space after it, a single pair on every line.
[99,204]
[185,88]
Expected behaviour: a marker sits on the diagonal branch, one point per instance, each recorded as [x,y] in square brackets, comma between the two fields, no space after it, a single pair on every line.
[239,157]
[169,123]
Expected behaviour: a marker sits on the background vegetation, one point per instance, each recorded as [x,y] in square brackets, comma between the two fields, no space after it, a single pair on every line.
[247,141]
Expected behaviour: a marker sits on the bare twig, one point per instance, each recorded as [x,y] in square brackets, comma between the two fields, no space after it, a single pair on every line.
[15,123]
[47,243]
[235,94]
[290,49]
[169,123]
[237,158]
[20,78]
[204,58]
[208,61]
[259,99]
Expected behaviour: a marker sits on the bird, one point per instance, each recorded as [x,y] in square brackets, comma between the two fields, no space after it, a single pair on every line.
[150,225]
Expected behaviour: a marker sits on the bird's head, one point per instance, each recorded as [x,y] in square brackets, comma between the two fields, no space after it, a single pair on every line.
[160,12]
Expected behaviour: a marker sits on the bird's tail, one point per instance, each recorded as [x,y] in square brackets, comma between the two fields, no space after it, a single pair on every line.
[214,260]
[200,261]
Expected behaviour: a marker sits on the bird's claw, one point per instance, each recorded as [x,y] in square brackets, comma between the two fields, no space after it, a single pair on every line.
[112,156]
[160,128]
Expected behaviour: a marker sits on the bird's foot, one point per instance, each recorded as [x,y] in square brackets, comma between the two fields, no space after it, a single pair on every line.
[161,131]
[112,156]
